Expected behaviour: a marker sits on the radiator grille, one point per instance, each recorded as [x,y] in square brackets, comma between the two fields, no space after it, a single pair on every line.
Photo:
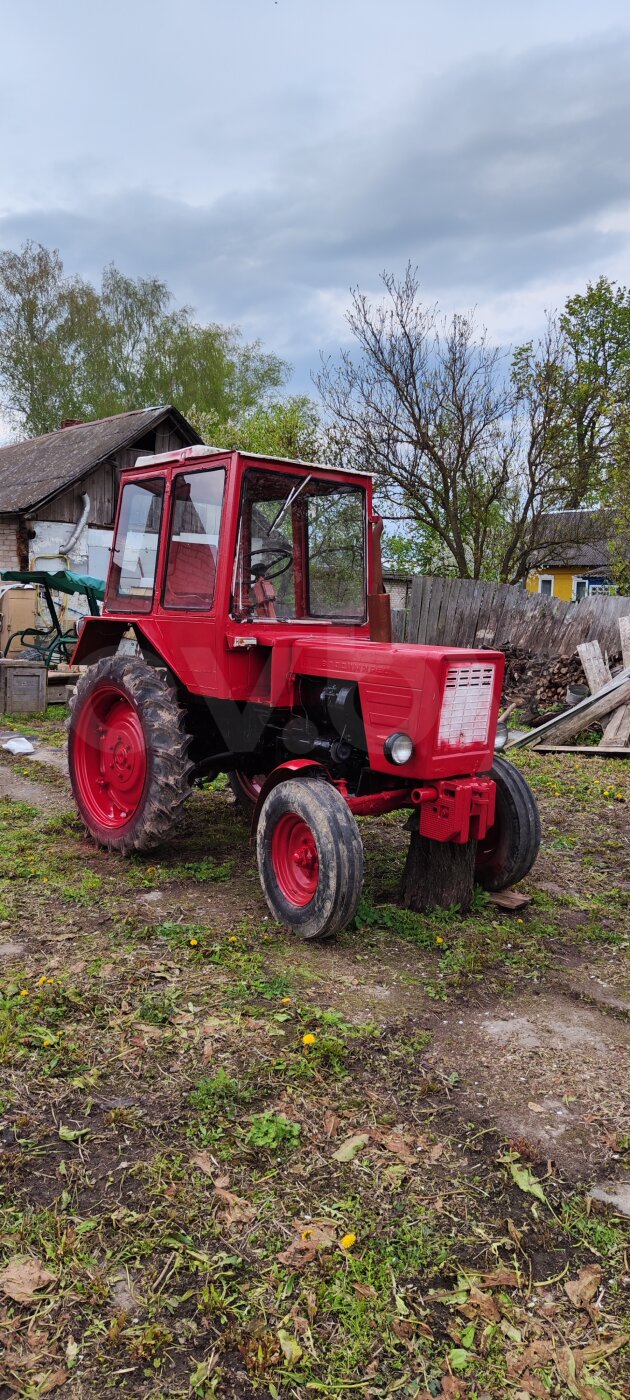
[466,705]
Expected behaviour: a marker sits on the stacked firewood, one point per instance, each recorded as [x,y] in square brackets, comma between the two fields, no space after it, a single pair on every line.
[539,684]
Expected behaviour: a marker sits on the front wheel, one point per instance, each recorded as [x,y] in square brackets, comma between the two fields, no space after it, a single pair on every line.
[310,857]
[127,754]
[510,847]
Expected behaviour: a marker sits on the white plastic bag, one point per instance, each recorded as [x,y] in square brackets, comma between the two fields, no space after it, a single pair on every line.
[19,745]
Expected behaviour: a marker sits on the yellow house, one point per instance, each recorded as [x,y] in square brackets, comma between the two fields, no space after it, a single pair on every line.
[574,561]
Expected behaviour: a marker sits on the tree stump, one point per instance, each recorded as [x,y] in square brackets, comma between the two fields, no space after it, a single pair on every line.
[438,874]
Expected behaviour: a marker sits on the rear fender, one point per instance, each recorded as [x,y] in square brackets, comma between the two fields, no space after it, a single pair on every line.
[101,636]
[293,768]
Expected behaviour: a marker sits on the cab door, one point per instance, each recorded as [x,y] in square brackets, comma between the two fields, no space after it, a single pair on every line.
[185,620]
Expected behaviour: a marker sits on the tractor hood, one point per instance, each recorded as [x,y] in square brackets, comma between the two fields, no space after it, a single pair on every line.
[447,699]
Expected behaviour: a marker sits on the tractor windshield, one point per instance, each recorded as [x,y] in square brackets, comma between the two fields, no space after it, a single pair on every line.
[300,550]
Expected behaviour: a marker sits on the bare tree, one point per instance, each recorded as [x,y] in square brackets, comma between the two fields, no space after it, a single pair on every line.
[465,442]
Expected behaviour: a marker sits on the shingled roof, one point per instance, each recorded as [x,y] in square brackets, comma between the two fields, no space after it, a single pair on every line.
[35,471]
[575,539]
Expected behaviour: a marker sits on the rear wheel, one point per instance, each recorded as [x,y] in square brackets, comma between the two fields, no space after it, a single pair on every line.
[246,789]
[127,754]
[508,850]
[310,857]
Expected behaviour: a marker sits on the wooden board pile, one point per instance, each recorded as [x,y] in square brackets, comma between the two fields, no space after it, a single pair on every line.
[608,704]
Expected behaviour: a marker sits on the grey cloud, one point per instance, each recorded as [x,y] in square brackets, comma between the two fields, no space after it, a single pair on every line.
[497,178]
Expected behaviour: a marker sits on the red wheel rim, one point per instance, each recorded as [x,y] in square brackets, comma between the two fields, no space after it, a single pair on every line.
[109,757]
[250,786]
[295,859]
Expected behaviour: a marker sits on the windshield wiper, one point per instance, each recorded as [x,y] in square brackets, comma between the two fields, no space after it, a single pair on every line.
[292,496]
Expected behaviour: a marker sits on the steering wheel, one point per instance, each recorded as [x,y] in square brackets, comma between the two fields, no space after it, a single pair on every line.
[276,566]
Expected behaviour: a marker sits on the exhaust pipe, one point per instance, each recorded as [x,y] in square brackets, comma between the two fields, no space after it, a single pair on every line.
[379,602]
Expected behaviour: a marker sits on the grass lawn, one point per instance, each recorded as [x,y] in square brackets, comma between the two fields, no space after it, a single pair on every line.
[234,1165]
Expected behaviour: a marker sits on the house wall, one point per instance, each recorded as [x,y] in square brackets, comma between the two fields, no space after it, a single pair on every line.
[100,485]
[8,543]
[398,589]
[563,581]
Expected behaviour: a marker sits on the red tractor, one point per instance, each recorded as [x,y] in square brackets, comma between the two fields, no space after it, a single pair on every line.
[253,591]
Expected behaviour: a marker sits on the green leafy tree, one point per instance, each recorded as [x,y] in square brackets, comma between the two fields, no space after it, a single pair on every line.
[282,428]
[618,494]
[594,362]
[68,350]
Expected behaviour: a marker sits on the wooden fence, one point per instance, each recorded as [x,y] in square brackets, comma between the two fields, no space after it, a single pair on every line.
[467,612]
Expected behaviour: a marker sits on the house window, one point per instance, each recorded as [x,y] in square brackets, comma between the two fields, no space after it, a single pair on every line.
[545,584]
[580,588]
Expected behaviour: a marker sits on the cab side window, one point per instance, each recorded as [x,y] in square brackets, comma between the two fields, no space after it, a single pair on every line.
[197,503]
[134,558]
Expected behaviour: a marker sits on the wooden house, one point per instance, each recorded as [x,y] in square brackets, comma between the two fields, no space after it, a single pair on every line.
[58,493]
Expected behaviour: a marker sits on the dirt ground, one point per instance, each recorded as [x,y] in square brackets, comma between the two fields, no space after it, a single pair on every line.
[397,1163]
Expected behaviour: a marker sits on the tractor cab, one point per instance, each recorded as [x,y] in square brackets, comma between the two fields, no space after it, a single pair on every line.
[220,558]
[250,539]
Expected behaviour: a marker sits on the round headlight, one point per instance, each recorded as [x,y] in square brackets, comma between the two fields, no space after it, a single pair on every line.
[398,748]
[502,735]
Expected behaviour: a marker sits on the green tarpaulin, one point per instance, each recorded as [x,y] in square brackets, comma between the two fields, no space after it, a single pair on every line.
[62,582]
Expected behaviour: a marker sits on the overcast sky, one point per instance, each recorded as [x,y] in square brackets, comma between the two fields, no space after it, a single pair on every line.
[265,155]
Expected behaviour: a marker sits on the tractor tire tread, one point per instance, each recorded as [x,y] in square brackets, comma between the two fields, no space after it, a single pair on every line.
[163,720]
[341,856]
[519,812]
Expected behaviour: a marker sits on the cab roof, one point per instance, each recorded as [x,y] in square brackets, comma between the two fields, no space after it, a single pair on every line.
[187,454]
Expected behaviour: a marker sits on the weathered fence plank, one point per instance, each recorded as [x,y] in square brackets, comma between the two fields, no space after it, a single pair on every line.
[469,612]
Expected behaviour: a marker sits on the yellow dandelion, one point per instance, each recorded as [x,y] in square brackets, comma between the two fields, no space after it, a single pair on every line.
[41,980]
[519,921]
[309,1038]
[439,939]
[50,981]
[348,1241]
[48,1042]
[285,1001]
[307,1234]
[24,992]
[193,942]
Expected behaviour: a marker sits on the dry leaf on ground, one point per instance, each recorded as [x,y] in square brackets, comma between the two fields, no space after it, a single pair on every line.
[309,1240]
[291,1351]
[596,1351]
[567,1363]
[484,1304]
[236,1211]
[350,1147]
[397,1144]
[204,1163]
[22,1277]
[500,1278]
[454,1388]
[583,1289]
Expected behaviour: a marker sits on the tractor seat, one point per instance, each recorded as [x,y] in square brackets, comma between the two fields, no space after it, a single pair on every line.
[190,575]
[265,596]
